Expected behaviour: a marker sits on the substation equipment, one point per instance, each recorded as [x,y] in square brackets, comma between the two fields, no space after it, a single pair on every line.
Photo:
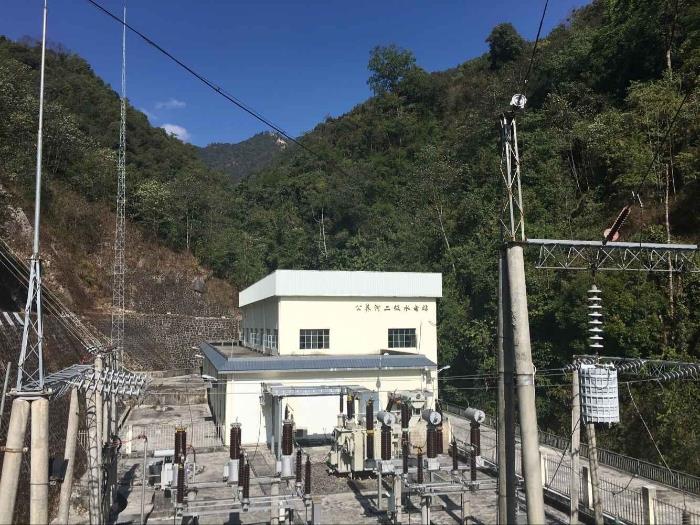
[281,494]
[407,445]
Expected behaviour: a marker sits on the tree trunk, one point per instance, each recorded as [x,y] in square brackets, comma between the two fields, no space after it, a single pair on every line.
[187,233]
[671,34]
[323,235]
[668,239]
[438,209]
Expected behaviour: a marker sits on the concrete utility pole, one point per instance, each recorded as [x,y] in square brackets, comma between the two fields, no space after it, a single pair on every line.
[94,466]
[507,504]
[14,448]
[143,476]
[525,385]
[502,481]
[69,456]
[595,474]
[575,447]
[39,472]
[513,221]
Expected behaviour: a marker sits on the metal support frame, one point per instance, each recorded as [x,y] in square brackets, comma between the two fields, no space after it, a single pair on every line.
[30,367]
[513,210]
[119,266]
[652,368]
[107,381]
[615,256]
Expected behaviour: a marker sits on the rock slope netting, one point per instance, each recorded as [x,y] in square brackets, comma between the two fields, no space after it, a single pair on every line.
[172,302]
[166,341]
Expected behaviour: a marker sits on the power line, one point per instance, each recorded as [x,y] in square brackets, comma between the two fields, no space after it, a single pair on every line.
[534,49]
[228,96]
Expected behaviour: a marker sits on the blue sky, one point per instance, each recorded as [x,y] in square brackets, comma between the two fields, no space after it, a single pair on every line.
[295,62]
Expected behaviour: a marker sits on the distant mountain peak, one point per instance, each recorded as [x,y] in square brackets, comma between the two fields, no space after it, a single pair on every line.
[244,158]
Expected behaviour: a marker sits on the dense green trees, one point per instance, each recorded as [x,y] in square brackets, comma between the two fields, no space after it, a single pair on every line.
[505,45]
[389,65]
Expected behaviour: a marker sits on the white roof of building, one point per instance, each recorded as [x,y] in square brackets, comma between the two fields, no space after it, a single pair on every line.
[313,283]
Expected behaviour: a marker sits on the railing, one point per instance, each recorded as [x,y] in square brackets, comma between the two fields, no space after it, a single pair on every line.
[621,504]
[643,469]
[667,513]
[200,435]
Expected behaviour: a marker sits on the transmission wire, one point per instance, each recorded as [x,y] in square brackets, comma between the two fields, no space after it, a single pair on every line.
[228,96]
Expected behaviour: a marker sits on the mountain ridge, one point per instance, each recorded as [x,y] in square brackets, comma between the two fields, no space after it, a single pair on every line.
[241,159]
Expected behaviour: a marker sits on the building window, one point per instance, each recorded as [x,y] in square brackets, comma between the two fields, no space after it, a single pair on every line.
[402,337]
[314,339]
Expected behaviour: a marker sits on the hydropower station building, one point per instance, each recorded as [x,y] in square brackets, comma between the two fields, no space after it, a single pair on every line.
[310,336]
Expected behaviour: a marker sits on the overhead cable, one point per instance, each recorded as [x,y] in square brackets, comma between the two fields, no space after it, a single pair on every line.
[228,96]
[534,48]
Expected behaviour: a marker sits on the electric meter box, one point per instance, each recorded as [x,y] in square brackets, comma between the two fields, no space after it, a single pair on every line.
[599,396]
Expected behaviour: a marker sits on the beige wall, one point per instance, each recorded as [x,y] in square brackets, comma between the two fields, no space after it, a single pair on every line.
[262,315]
[354,329]
[317,415]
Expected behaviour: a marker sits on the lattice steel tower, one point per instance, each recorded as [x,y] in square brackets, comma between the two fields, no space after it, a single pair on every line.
[119,267]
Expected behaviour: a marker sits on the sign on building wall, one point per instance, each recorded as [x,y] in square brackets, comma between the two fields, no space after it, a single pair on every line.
[367,307]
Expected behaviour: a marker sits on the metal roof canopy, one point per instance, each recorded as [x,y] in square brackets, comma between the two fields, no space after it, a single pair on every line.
[328,363]
[279,390]
[315,283]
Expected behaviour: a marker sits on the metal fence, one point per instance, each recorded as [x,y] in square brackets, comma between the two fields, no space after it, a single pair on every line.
[200,435]
[643,469]
[667,513]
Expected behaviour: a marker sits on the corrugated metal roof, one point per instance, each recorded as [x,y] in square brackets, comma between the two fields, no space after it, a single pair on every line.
[312,362]
[312,283]
[278,390]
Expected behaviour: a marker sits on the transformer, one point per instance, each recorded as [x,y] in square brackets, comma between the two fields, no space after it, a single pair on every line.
[348,451]
[358,446]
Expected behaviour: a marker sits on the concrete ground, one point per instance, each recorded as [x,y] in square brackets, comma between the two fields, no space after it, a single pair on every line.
[341,500]
[175,401]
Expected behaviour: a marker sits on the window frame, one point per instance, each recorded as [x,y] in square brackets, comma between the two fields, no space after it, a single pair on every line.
[314,339]
[402,338]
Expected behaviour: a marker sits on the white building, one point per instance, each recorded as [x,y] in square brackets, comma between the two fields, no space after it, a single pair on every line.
[308,334]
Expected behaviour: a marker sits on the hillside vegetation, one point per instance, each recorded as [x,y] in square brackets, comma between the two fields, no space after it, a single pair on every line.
[242,159]
[410,180]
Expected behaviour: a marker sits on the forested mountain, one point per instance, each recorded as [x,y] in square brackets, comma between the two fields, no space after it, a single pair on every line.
[243,158]
[410,180]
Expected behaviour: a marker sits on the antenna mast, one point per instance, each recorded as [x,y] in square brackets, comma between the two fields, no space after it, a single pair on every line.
[30,368]
[119,268]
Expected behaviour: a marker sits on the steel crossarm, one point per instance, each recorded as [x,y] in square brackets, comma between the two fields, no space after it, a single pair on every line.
[647,368]
[557,254]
